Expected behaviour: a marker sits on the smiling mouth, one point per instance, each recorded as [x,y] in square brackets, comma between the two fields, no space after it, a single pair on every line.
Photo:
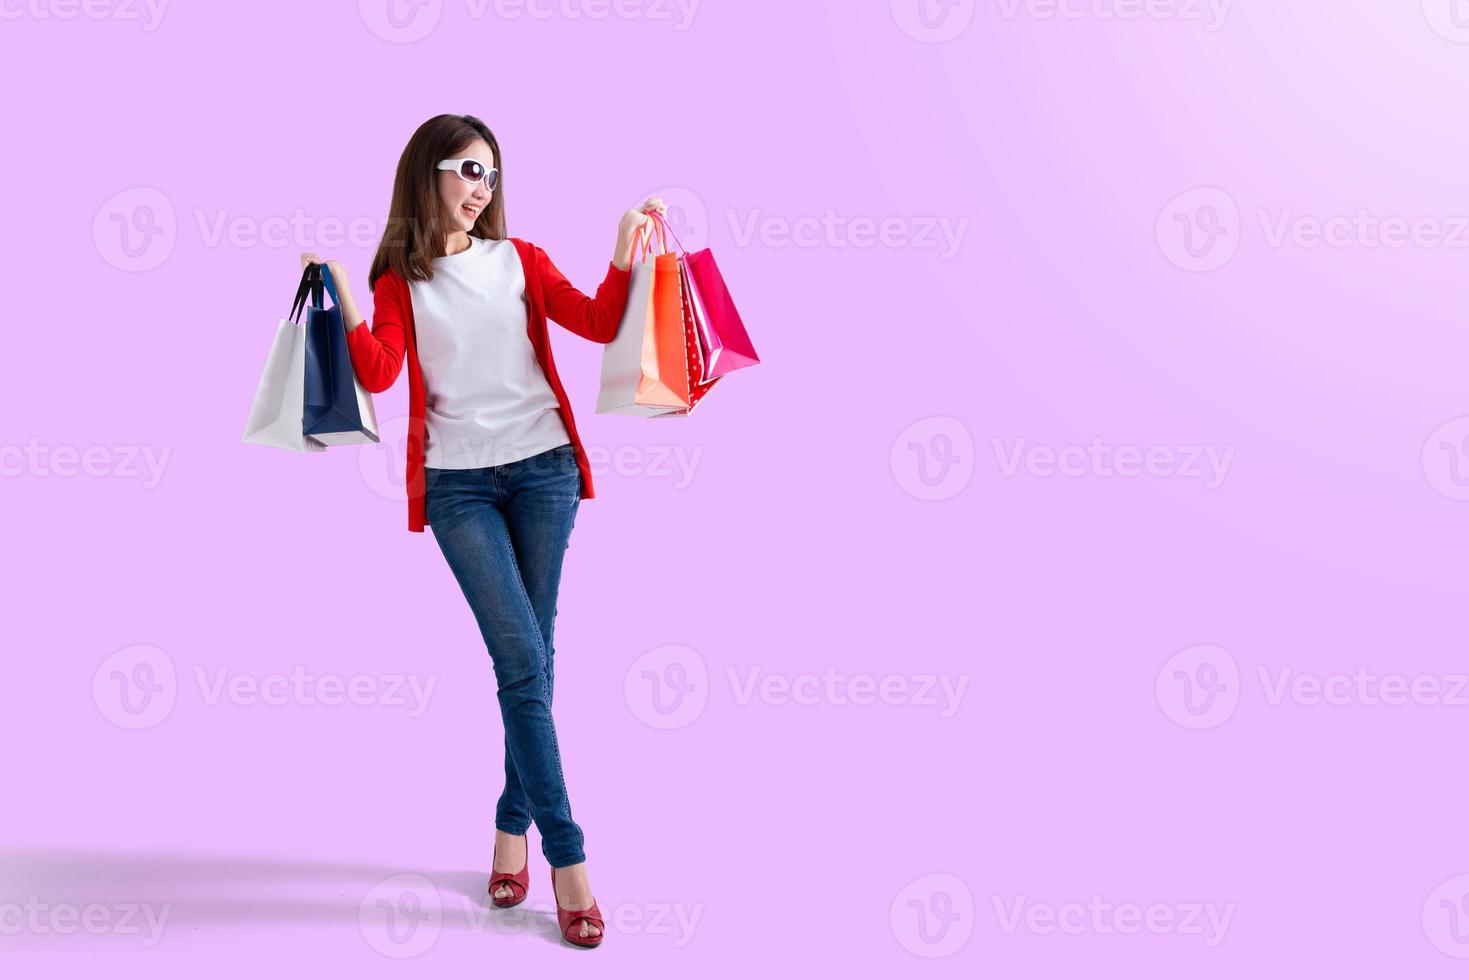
[469,210]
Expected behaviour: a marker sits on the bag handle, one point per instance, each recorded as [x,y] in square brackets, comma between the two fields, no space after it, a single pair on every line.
[643,237]
[641,243]
[664,226]
[300,302]
[331,287]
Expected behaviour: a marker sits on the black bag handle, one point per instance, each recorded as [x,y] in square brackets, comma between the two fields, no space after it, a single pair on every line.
[308,275]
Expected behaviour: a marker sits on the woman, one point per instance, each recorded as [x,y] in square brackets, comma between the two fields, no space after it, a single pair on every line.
[494,464]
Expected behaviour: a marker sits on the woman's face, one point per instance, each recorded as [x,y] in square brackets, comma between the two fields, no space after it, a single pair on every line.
[461,200]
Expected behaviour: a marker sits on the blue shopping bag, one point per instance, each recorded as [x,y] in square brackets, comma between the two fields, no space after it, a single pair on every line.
[338,409]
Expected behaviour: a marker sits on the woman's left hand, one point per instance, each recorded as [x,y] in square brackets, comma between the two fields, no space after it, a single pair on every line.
[628,227]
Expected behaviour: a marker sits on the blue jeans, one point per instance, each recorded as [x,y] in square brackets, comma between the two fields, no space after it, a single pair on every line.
[504,531]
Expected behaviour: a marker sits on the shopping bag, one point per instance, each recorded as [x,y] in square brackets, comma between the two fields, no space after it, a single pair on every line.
[644,367]
[723,340]
[276,414]
[339,410]
[693,352]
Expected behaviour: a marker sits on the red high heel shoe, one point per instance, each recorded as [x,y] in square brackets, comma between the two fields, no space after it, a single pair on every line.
[568,919]
[520,880]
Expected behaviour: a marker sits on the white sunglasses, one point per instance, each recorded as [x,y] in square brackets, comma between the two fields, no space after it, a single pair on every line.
[472,171]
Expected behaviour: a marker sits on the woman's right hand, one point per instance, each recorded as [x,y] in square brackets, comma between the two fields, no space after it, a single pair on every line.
[339,274]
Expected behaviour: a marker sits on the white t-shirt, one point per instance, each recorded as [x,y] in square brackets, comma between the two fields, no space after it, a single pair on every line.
[488,402]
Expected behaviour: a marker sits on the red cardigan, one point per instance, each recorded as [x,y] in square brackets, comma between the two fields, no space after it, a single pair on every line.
[377,355]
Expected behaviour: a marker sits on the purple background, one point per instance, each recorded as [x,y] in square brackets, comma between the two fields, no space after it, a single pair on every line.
[1119,640]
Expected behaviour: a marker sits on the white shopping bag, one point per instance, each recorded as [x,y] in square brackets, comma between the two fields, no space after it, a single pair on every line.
[622,359]
[280,398]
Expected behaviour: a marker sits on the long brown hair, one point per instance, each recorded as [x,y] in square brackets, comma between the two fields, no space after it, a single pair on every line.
[416,229]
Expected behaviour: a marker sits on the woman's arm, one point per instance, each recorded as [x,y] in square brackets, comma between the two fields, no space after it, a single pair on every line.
[596,318]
